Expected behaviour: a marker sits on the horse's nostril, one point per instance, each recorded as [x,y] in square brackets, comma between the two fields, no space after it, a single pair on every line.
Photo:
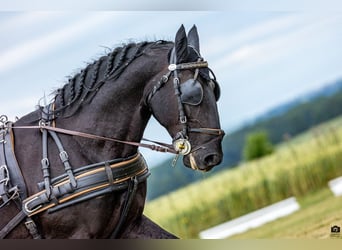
[212,160]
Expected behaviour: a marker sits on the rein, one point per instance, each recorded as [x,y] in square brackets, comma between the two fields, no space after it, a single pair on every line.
[162,147]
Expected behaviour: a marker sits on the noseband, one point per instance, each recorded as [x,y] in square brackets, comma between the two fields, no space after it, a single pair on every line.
[181,141]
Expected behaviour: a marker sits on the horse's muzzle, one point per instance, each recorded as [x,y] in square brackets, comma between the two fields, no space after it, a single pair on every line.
[204,158]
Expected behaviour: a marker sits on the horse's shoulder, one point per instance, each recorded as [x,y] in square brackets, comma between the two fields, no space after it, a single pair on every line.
[29,119]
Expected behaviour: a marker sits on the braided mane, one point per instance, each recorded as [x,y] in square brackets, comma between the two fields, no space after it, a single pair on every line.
[83,86]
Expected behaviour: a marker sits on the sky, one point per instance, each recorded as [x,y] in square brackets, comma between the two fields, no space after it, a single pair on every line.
[261,58]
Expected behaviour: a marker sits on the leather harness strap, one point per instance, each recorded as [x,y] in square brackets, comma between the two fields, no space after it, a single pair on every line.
[90,183]
[132,188]
[15,221]
[67,189]
[12,184]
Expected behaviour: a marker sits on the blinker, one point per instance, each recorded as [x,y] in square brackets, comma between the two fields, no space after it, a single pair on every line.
[216,88]
[191,92]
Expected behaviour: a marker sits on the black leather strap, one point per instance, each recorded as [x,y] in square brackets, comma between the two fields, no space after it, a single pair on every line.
[16,175]
[92,181]
[132,188]
[15,188]
[12,224]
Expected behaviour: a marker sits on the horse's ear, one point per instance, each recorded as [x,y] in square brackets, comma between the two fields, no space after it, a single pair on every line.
[193,38]
[181,45]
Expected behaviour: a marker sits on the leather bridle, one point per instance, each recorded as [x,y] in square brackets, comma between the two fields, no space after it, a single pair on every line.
[181,141]
[181,144]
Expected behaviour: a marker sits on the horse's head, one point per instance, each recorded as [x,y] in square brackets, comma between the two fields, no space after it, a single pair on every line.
[184,102]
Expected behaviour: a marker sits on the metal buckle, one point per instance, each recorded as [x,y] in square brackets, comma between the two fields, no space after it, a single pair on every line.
[183,119]
[172,67]
[15,192]
[45,163]
[6,175]
[3,133]
[182,146]
[165,78]
[30,211]
[30,224]
[9,195]
[63,155]
[3,121]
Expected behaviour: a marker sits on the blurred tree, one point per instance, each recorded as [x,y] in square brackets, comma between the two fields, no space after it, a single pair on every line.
[257,145]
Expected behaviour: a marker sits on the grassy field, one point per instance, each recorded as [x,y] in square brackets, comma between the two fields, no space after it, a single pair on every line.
[298,167]
[319,212]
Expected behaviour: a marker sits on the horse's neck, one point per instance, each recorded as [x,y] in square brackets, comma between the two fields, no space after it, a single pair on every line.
[115,112]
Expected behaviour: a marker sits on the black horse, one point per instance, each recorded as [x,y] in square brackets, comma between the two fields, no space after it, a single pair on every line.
[81,174]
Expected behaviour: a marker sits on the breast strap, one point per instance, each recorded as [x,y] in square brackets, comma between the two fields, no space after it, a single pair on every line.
[93,180]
